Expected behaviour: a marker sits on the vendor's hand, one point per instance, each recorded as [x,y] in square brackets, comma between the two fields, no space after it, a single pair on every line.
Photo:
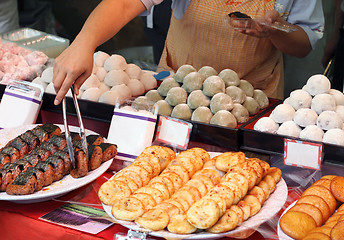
[73,66]
[263,31]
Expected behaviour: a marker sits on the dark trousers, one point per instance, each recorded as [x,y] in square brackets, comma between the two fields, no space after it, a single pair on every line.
[338,64]
[161,22]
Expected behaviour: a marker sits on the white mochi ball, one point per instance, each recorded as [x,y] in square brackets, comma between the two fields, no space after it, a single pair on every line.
[207,71]
[340,111]
[323,102]
[116,77]
[329,119]
[224,118]
[115,62]
[282,113]
[94,69]
[266,124]
[47,75]
[133,71]
[153,95]
[101,73]
[163,108]
[237,94]
[312,132]
[213,85]
[91,82]
[334,136]
[124,90]
[221,101]
[182,71]
[176,95]
[202,114]
[136,87]
[261,98]
[240,113]
[112,97]
[50,89]
[182,111]
[103,87]
[230,77]
[305,116]
[166,85]
[92,94]
[338,96]
[99,58]
[287,101]
[148,81]
[247,87]
[300,99]
[289,128]
[128,108]
[193,81]
[317,84]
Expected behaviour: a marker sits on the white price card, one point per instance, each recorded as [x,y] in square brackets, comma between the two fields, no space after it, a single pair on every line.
[174,132]
[303,154]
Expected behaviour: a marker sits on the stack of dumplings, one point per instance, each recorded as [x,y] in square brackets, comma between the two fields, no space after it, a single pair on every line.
[207,96]
[315,112]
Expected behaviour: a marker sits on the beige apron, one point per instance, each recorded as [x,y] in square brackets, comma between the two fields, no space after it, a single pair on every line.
[203,38]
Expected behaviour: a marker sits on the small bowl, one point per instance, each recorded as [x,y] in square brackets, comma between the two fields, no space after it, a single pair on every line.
[241,23]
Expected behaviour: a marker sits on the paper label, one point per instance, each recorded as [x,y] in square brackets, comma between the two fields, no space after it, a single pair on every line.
[303,154]
[174,132]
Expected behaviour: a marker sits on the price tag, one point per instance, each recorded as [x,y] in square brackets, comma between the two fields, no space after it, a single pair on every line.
[303,154]
[174,132]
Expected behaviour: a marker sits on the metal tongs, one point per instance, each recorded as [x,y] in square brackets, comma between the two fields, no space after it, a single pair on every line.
[81,128]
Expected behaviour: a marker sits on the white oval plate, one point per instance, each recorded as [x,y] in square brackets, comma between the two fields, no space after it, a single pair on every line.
[269,209]
[58,188]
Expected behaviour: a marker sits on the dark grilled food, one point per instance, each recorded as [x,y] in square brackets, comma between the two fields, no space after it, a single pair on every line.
[58,166]
[40,133]
[33,159]
[4,158]
[20,145]
[74,135]
[48,172]
[94,139]
[42,153]
[95,156]
[109,151]
[81,162]
[30,139]
[51,129]
[8,174]
[65,157]
[58,141]
[11,152]
[22,165]
[26,182]
[48,147]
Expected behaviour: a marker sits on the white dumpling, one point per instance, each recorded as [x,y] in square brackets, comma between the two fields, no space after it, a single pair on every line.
[323,102]
[334,136]
[99,58]
[136,87]
[91,82]
[47,75]
[153,95]
[247,87]
[289,128]
[133,71]
[193,81]
[124,90]
[92,94]
[338,96]
[116,77]
[181,111]
[103,87]
[166,85]
[101,73]
[261,98]
[213,85]
[94,69]
[282,113]
[182,71]
[51,89]
[300,99]
[148,81]
[221,101]
[251,105]
[224,118]
[230,77]
[196,99]
[207,71]
[317,84]
[266,124]
[128,108]
[112,98]
[313,133]
[115,62]
[329,119]
[305,116]
[340,111]
[236,93]
[176,95]
[240,113]
[287,101]
[163,108]
[202,114]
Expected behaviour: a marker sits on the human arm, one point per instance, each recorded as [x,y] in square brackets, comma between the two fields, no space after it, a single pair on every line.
[331,44]
[74,65]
